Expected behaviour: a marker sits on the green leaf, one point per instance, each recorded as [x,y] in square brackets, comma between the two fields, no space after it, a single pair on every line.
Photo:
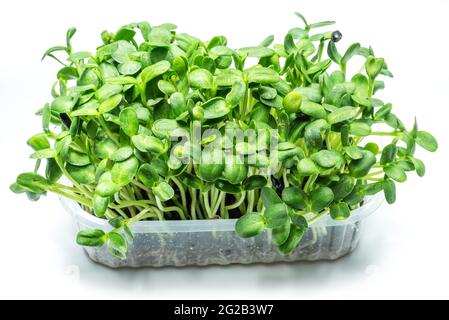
[343,187]
[395,172]
[313,109]
[356,196]
[163,191]
[250,225]
[361,90]
[69,34]
[32,182]
[226,186]
[100,205]
[129,67]
[284,155]
[106,187]
[298,219]
[333,54]
[361,129]
[122,154]
[237,93]
[406,165]
[292,102]
[267,41]
[280,234]
[221,51]
[16,188]
[393,121]
[192,181]
[77,158]
[88,109]
[129,121]
[419,166]
[62,104]
[321,198]
[307,167]
[300,16]
[159,37]
[46,118]
[82,175]
[293,240]
[262,75]
[110,103]
[107,91]
[257,52]
[426,141]
[342,114]
[373,66]
[117,245]
[269,197]
[372,147]
[319,67]
[354,152]
[321,24]
[373,188]
[235,172]
[201,79]
[153,71]
[344,135]
[294,197]
[215,108]
[160,166]
[327,158]
[116,222]
[123,172]
[383,111]
[390,191]
[121,80]
[163,127]
[67,73]
[289,44]
[360,168]
[148,175]
[105,148]
[128,233]
[178,103]
[350,52]
[91,238]
[340,211]
[166,87]
[310,93]
[50,51]
[388,154]
[124,33]
[254,182]
[313,138]
[44,154]
[212,164]
[276,215]
[146,143]
[52,171]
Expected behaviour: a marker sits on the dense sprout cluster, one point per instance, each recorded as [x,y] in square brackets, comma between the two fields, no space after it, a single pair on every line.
[110,129]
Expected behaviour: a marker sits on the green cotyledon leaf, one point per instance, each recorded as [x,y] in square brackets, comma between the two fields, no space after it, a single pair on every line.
[250,225]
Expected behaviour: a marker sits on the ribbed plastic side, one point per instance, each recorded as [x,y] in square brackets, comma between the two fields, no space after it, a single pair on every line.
[184,243]
[225,247]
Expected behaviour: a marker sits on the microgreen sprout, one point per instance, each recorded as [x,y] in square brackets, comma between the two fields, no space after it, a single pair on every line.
[159,125]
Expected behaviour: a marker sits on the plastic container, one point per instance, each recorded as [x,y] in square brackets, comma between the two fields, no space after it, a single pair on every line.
[205,242]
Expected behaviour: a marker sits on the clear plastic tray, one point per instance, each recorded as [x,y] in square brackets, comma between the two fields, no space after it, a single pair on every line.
[204,242]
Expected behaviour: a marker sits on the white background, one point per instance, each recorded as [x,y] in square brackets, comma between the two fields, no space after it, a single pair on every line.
[404,249]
